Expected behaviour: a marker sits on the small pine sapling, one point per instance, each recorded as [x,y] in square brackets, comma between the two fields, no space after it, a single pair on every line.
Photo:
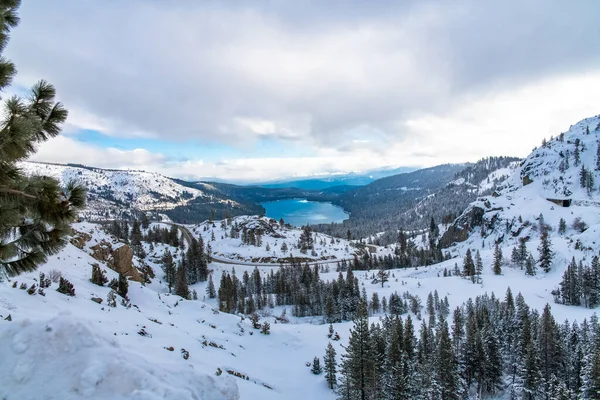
[316,366]
[65,287]
[111,299]
[98,276]
[266,328]
[254,318]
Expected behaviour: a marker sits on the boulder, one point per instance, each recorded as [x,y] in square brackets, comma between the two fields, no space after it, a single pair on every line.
[97,300]
[122,262]
[79,239]
[102,251]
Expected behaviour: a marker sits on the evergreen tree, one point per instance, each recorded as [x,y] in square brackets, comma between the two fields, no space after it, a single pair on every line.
[168,267]
[35,212]
[181,283]
[316,366]
[598,157]
[358,364]
[446,365]
[468,265]
[545,250]
[478,267]
[210,288]
[583,173]
[122,286]
[330,366]
[497,264]
[382,276]
[530,265]
[562,226]
[98,276]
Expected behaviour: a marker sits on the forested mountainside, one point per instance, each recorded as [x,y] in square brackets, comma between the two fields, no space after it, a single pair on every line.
[409,201]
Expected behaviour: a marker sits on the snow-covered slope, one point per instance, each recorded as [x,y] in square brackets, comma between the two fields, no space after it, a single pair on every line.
[272,238]
[111,193]
[547,180]
[139,189]
[59,347]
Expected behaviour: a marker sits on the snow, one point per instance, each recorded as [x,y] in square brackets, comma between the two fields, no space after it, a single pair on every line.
[232,249]
[59,347]
[138,189]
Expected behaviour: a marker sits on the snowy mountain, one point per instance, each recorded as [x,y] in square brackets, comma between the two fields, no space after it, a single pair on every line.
[157,345]
[557,180]
[116,194]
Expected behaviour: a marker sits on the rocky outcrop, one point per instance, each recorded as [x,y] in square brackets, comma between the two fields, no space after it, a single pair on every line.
[119,260]
[79,239]
[102,251]
[122,262]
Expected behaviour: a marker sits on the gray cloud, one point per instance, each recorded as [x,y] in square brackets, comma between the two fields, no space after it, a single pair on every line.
[302,70]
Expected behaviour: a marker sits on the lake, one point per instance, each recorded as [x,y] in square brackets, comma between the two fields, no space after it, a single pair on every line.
[300,212]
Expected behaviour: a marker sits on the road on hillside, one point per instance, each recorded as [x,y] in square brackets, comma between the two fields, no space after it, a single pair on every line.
[187,236]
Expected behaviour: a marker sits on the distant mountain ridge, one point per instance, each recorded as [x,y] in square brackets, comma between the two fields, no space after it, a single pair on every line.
[328,181]
[409,200]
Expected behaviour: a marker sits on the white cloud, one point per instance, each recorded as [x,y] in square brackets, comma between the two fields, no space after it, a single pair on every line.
[399,83]
[64,150]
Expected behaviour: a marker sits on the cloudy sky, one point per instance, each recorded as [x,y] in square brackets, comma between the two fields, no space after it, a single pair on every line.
[265,89]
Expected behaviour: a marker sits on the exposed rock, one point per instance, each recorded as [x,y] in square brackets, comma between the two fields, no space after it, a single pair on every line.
[97,300]
[79,239]
[102,251]
[122,262]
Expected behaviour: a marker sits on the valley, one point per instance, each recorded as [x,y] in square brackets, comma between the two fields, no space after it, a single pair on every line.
[225,352]
[299,200]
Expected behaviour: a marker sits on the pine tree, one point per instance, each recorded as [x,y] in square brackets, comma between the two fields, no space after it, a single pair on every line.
[583,173]
[478,267]
[358,363]
[445,364]
[497,264]
[316,366]
[545,250]
[382,276]
[168,267]
[530,265]
[468,265]
[210,288]
[98,276]
[598,158]
[181,283]
[562,226]
[122,286]
[35,212]
[330,366]
[576,154]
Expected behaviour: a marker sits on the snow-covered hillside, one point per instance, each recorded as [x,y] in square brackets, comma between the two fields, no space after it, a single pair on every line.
[548,183]
[113,192]
[277,242]
[545,192]
[137,351]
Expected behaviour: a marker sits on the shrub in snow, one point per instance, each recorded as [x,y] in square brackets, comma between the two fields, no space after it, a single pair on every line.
[98,276]
[266,328]
[579,225]
[113,284]
[65,287]
[255,320]
[44,282]
[54,275]
[32,289]
[111,299]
